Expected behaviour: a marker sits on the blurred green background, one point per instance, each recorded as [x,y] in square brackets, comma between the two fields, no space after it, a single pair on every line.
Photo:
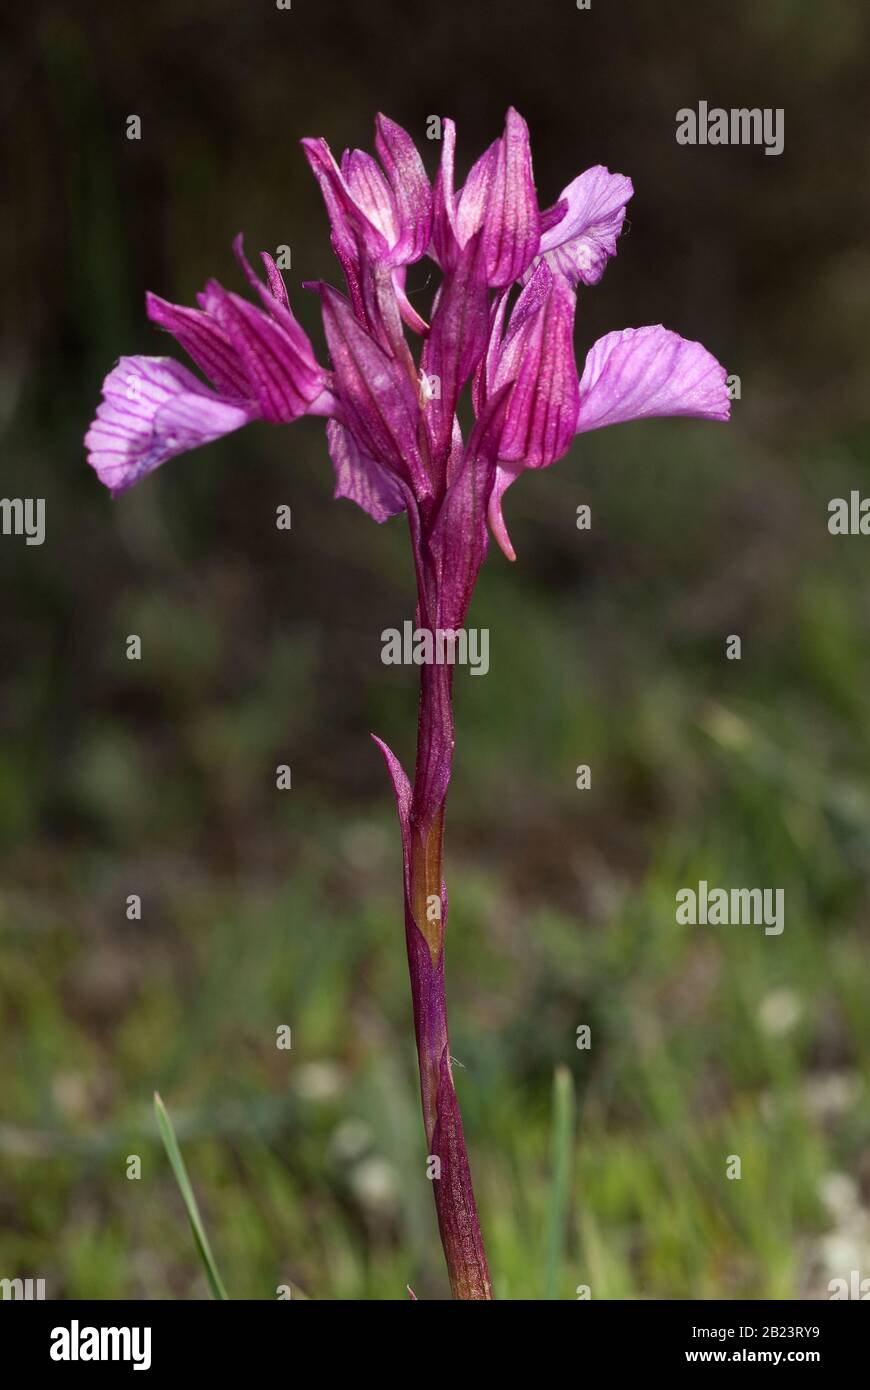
[261,647]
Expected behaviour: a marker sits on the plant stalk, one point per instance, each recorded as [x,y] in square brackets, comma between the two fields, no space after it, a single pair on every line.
[425,923]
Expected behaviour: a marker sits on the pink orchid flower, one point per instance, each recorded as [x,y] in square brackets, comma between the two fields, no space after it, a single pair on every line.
[396,445]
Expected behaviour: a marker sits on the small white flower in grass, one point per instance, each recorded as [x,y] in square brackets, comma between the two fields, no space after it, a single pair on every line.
[374,1183]
[319,1081]
[779,1011]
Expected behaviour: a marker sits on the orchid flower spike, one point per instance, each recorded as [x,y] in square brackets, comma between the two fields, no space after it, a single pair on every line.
[392,429]
[502,321]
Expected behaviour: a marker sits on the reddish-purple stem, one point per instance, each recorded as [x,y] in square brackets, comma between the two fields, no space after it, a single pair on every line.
[425,923]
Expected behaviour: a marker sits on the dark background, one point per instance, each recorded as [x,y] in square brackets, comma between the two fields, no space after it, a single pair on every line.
[262,647]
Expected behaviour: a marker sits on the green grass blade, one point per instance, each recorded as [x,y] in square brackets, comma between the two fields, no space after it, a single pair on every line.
[170,1143]
[560,1187]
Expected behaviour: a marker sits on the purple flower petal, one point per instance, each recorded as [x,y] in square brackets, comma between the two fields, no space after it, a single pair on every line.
[371,193]
[456,342]
[642,372]
[406,309]
[347,219]
[389,219]
[382,312]
[205,343]
[583,240]
[498,197]
[152,409]
[472,201]
[511,235]
[485,373]
[379,399]
[273,295]
[444,238]
[538,357]
[276,280]
[361,478]
[277,357]
[458,540]
[411,191]
[551,217]
[505,474]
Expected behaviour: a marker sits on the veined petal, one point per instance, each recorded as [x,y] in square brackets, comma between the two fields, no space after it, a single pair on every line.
[444,239]
[372,193]
[485,372]
[410,187]
[152,409]
[381,314]
[276,303]
[458,540]
[349,223]
[379,400]
[642,372]
[273,295]
[531,300]
[538,357]
[279,363]
[499,198]
[204,341]
[360,477]
[584,238]
[456,342]
[473,199]
[511,226]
